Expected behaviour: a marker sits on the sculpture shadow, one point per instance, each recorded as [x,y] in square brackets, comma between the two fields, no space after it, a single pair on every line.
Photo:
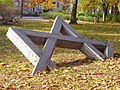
[76,62]
[117,54]
[81,61]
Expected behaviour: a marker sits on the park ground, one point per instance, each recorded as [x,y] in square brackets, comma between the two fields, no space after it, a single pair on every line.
[76,71]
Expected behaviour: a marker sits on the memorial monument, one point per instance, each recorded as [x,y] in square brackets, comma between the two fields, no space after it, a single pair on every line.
[61,35]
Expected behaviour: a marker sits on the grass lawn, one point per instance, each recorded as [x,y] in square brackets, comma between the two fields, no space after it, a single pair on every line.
[76,71]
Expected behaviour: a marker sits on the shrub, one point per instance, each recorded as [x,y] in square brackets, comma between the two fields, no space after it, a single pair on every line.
[57,10]
[109,17]
[6,8]
[52,15]
[85,18]
[81,18]
[88,16]
[81,14]
[113,18]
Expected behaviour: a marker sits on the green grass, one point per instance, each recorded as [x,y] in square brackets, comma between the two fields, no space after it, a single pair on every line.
[76,71]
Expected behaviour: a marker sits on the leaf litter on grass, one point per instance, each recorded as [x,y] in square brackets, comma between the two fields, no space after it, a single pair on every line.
[76,71]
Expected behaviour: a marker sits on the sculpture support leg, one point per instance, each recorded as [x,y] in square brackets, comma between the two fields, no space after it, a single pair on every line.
[92,52]
[109,50]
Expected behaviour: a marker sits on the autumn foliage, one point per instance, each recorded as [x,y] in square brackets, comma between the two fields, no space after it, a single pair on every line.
[76,72]
[48,4]
[36,1]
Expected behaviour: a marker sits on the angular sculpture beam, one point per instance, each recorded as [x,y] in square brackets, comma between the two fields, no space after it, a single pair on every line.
[61,35]
[48,48]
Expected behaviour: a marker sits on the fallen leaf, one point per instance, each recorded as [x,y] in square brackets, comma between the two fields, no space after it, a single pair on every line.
[11,87]
[2,64]
[26,69]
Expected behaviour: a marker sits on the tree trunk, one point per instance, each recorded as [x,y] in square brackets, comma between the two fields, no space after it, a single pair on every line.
[104,15]
[105,10]
[21,11]
[73,19]
[115,9]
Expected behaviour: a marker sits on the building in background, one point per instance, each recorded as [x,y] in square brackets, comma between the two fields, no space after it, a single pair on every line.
[28,10]
[38,9]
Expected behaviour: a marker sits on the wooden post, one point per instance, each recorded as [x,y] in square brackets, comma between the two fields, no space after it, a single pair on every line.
[21,10]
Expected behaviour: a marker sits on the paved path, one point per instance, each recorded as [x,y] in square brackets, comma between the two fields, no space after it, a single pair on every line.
[30,18]
[33,18]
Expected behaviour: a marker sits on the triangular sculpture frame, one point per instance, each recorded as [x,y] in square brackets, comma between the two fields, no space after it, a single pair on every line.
[61,35]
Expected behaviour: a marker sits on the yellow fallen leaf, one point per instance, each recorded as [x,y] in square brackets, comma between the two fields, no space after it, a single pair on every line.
[26,69]
[2,64]
[65,70]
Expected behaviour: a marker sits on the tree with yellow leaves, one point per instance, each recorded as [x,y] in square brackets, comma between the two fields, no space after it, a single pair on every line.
[103,4]
[48,4]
